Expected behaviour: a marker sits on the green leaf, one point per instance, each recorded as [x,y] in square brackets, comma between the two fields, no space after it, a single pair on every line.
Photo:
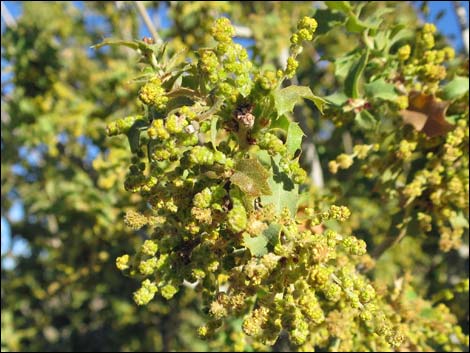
[318,101]
[256,245]
[455,88]
[344,63]
[135,44]
[343,6]
[337,99]
[380,89]
[286,98]
[251,177]
[214,131]
[285,193]
[351,83]
[327,20]
[365,120]
[355,25]
[399,33]
[281,123]
[264,158]
[294,138]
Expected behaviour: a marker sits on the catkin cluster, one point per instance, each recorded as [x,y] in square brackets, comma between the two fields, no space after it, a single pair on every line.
[217,175]
[415,155]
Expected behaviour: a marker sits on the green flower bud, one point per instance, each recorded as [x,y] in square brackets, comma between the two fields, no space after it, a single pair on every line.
[168,291]
[404,52]
[149,248]
[146,293]
[153,94]
[122,262]
[222,30]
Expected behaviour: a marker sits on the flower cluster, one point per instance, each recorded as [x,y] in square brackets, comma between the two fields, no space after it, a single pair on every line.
[222,184]
[306,27]
[434,192]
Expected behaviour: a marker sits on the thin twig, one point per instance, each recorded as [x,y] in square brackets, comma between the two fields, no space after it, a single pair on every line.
[243,32]
[462,17]
[148,22]
[347,142]
[7,17]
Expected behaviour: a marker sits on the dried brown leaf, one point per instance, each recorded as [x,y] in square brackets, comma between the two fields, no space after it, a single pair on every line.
[427,114]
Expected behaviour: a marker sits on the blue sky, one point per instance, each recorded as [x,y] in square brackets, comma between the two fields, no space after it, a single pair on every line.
[447,24]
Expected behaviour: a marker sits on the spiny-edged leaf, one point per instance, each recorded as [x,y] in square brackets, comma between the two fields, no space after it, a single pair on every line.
[135,44]
[182,91]
[344,64]
[425,113]
[285,193]
[380,89]
[177,59]
[214,131]
[343,6]
[294,138]
[318,101]
[281,123]
[327,20]
[399,33]
[256,245]
[171,78]
[286,98]
[178,102]
[355,25]
[337,99]
[455,88]
[351,83]
[251,177]
[365,120]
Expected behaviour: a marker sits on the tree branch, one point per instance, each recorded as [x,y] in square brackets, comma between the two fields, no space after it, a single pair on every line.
[7,17]
[462,17]
[148,22]
[242,31]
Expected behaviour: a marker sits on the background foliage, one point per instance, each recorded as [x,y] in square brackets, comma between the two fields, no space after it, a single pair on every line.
[64,293]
